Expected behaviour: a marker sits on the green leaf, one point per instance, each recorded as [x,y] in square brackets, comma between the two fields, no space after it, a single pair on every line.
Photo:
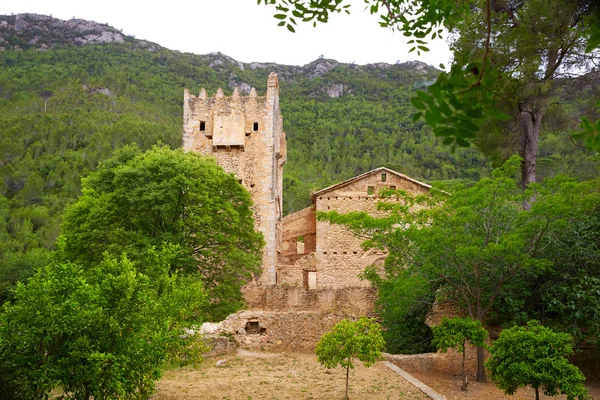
[290,28]
[280,16]
[417,116]
[417,103]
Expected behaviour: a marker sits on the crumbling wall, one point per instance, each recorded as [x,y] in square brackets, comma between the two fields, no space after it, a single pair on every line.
[277,331]
[299,224]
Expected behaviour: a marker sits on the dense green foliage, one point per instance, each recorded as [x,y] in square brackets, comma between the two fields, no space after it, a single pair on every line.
[403,302]
[135,201]
[100,333]
[454,333]
[535,356]
[349,340]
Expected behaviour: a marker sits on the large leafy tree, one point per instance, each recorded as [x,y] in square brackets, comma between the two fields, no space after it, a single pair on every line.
[476,240]
[138,200]
[100,333]
[508,56]
[532,44]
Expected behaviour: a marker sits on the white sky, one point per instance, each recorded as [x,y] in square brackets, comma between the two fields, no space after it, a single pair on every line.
[240,29]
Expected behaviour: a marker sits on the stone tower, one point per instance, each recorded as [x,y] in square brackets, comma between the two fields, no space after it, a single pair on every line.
[245,135]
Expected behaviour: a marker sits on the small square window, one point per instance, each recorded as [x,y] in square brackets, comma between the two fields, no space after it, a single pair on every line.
[370,190]
[202,126]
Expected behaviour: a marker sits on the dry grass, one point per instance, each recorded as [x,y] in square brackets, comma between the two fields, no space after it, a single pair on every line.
[255,376]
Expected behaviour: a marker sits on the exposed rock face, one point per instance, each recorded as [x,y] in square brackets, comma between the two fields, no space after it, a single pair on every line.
[320,67]
[42,31]
[335,90]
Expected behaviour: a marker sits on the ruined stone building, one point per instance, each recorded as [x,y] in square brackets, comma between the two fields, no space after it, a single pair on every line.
[330,256]
[310,268]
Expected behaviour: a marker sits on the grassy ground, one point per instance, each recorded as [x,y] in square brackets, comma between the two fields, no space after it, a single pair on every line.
[251,376]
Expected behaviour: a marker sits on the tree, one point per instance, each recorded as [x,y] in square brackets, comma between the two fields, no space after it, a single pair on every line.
[138,200]
[535,356]
[454,333]
[99,333]
[403,302]
[349,340]
[534,44]
[46,94]
[507,53]
[475,241]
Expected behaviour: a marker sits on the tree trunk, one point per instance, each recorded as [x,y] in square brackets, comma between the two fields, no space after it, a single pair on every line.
[347,375]
[480,366]
[531,124]
[464,376]
[537,393]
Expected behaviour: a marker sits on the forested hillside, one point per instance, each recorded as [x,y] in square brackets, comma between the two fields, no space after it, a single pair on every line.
[70,96]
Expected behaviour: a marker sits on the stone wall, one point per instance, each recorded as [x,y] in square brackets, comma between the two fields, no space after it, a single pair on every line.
[348,301]
[299,224]
[244,134]
[276,331]
[339,256]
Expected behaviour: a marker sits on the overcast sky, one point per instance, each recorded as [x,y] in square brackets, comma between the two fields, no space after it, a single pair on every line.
[240,29]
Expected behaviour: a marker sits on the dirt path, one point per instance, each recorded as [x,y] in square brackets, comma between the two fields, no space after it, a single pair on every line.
[250,375]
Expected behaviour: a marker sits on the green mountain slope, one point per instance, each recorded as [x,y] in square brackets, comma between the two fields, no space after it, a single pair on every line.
[73,91]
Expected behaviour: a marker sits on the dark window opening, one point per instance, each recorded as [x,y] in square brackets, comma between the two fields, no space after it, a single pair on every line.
[254,328]
[202,126]
[255,127]
[393,187]
[370,190]
[383,177]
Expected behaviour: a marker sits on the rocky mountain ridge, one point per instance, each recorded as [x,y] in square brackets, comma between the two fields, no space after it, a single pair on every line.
[25,31]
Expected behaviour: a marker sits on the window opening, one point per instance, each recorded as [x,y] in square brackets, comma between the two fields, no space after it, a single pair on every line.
[253,327]
[255,127]
[202,126]
[310,279]
[393,187]
[370,190]
[383,177]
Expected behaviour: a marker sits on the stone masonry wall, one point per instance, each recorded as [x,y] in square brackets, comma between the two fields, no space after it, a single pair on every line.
[348,301]
[339,256]
[278,331]
[299,224]
[245,136]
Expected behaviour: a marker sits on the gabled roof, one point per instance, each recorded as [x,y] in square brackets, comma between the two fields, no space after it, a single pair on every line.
[372,172]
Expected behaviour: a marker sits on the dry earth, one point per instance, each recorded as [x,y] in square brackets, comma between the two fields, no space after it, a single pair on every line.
[247,376]
[449,385]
